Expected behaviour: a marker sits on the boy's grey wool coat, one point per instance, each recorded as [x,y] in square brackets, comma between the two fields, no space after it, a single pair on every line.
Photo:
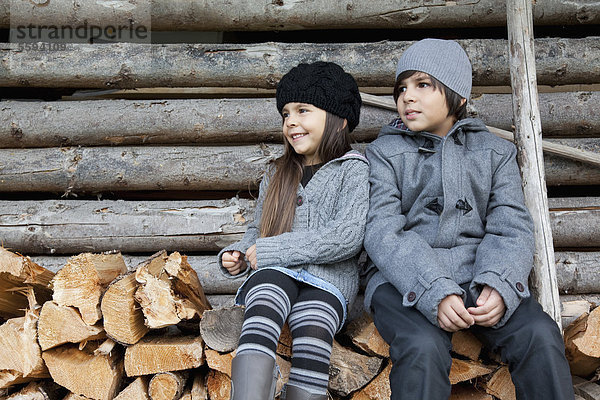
[445,211]
[328,227]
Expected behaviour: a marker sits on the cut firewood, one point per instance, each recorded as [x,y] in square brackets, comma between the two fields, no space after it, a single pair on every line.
[378,388]
[81,282]
[462,370]
[219,362]
[284,345]
[161,305]
[153,355]
[74,368]
[39,390]
[586,389]
[17,271]
[198,391]
[73,396]
[582,345]
[350,371]
[218,385]
[62,324]
[20,354]
[106,347]
[167,385]
[123,317]
[500,385]
[466,344]
[186,282]
[221,328]
[468,392]
[136,390]
[364,335]
[284,373]
[571,310]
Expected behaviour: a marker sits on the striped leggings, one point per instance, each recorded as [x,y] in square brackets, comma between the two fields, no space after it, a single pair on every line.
[314,316]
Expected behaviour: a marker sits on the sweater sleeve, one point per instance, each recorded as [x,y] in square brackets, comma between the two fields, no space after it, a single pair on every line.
[251,234]
[505,255]
[338,239]
[404,257]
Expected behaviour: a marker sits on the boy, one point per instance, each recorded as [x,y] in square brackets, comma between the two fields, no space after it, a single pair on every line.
[451,239]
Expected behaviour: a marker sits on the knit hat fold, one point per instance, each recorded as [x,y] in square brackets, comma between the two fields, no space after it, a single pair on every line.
[324,85]
[445,60]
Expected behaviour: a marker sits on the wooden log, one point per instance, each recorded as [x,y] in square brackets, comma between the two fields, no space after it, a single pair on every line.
[152,355]
[571,310]
[378,389]
[17,271]
[581,344]
[221,328]
[136,390]
[185,281]
[72,368]
[199,391]
[107,225]
[218,121]
[219,361]
[218,385]
[20,354]
[262,16]
[574,219]
[73,396]
[167,385]
[468,392]
[586,389]
[577,272]
[500,385]
[62,324]
[284,345]
[466,344]
[350,371]
[82,281]
[127,65]
[123,318]
[462,370]
[528,138]
[38,390]
[364,335]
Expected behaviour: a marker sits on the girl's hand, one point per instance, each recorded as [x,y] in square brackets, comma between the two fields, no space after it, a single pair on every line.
[452,314]
[490,307]
[233,262]
[251,256]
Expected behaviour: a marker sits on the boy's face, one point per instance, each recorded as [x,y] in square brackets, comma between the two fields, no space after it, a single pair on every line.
[423,107]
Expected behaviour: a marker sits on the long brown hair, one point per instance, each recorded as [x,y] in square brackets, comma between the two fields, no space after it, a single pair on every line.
[279,206]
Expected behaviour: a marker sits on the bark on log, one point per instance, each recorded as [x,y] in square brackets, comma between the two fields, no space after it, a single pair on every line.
[153,355]
[20,354]
[72,368]
[574,218]
[572,310]
[349,371]
[218,121]
[221,328]
[167,385]
[136,390]
[82,281]
[40,390]
[528,138]
[105,169]
[122,316]
[578,272]
[126,65]
[176,226]
[17,271]
[60,324]
[263,16]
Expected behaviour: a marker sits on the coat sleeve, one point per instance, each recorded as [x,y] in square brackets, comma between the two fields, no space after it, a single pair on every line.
[338,239]
[252,231]
[505,255]
[404,257]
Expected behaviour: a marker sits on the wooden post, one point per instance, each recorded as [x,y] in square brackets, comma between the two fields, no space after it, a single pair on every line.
[528,138]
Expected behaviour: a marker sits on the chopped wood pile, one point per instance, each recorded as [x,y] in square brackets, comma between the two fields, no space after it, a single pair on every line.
[98,330]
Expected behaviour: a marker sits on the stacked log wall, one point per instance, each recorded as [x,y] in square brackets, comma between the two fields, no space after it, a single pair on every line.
[143,172]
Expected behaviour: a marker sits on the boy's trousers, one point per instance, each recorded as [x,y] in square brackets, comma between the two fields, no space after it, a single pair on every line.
[530,342]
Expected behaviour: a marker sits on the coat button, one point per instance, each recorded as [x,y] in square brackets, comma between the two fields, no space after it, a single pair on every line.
[411,296]
[299,200]
[520,287]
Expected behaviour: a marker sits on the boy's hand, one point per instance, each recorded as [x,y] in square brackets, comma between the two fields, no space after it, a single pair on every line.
[490,307]
[452,314]
[251,256]
[233,262]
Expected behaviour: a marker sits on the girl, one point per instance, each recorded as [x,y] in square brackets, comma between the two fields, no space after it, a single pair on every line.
[302,246]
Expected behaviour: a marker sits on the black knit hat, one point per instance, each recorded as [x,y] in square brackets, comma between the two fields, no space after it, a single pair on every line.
[324,85]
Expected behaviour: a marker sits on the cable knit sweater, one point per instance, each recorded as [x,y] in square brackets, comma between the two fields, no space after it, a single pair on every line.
[328,228]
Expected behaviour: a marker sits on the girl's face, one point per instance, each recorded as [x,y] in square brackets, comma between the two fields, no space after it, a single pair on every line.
[303,126]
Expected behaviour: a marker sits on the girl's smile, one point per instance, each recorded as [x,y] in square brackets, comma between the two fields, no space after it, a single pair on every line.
[303,126]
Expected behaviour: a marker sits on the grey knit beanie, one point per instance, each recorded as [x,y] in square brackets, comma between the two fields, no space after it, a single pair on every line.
[445,60]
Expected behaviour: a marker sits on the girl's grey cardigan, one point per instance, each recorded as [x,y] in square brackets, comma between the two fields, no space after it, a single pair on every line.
[328,227]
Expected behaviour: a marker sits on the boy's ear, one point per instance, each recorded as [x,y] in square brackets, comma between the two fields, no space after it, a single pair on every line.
[345,123]
[462,101]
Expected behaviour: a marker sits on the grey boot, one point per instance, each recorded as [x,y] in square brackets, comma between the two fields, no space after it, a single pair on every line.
[296,393]
[253,377]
